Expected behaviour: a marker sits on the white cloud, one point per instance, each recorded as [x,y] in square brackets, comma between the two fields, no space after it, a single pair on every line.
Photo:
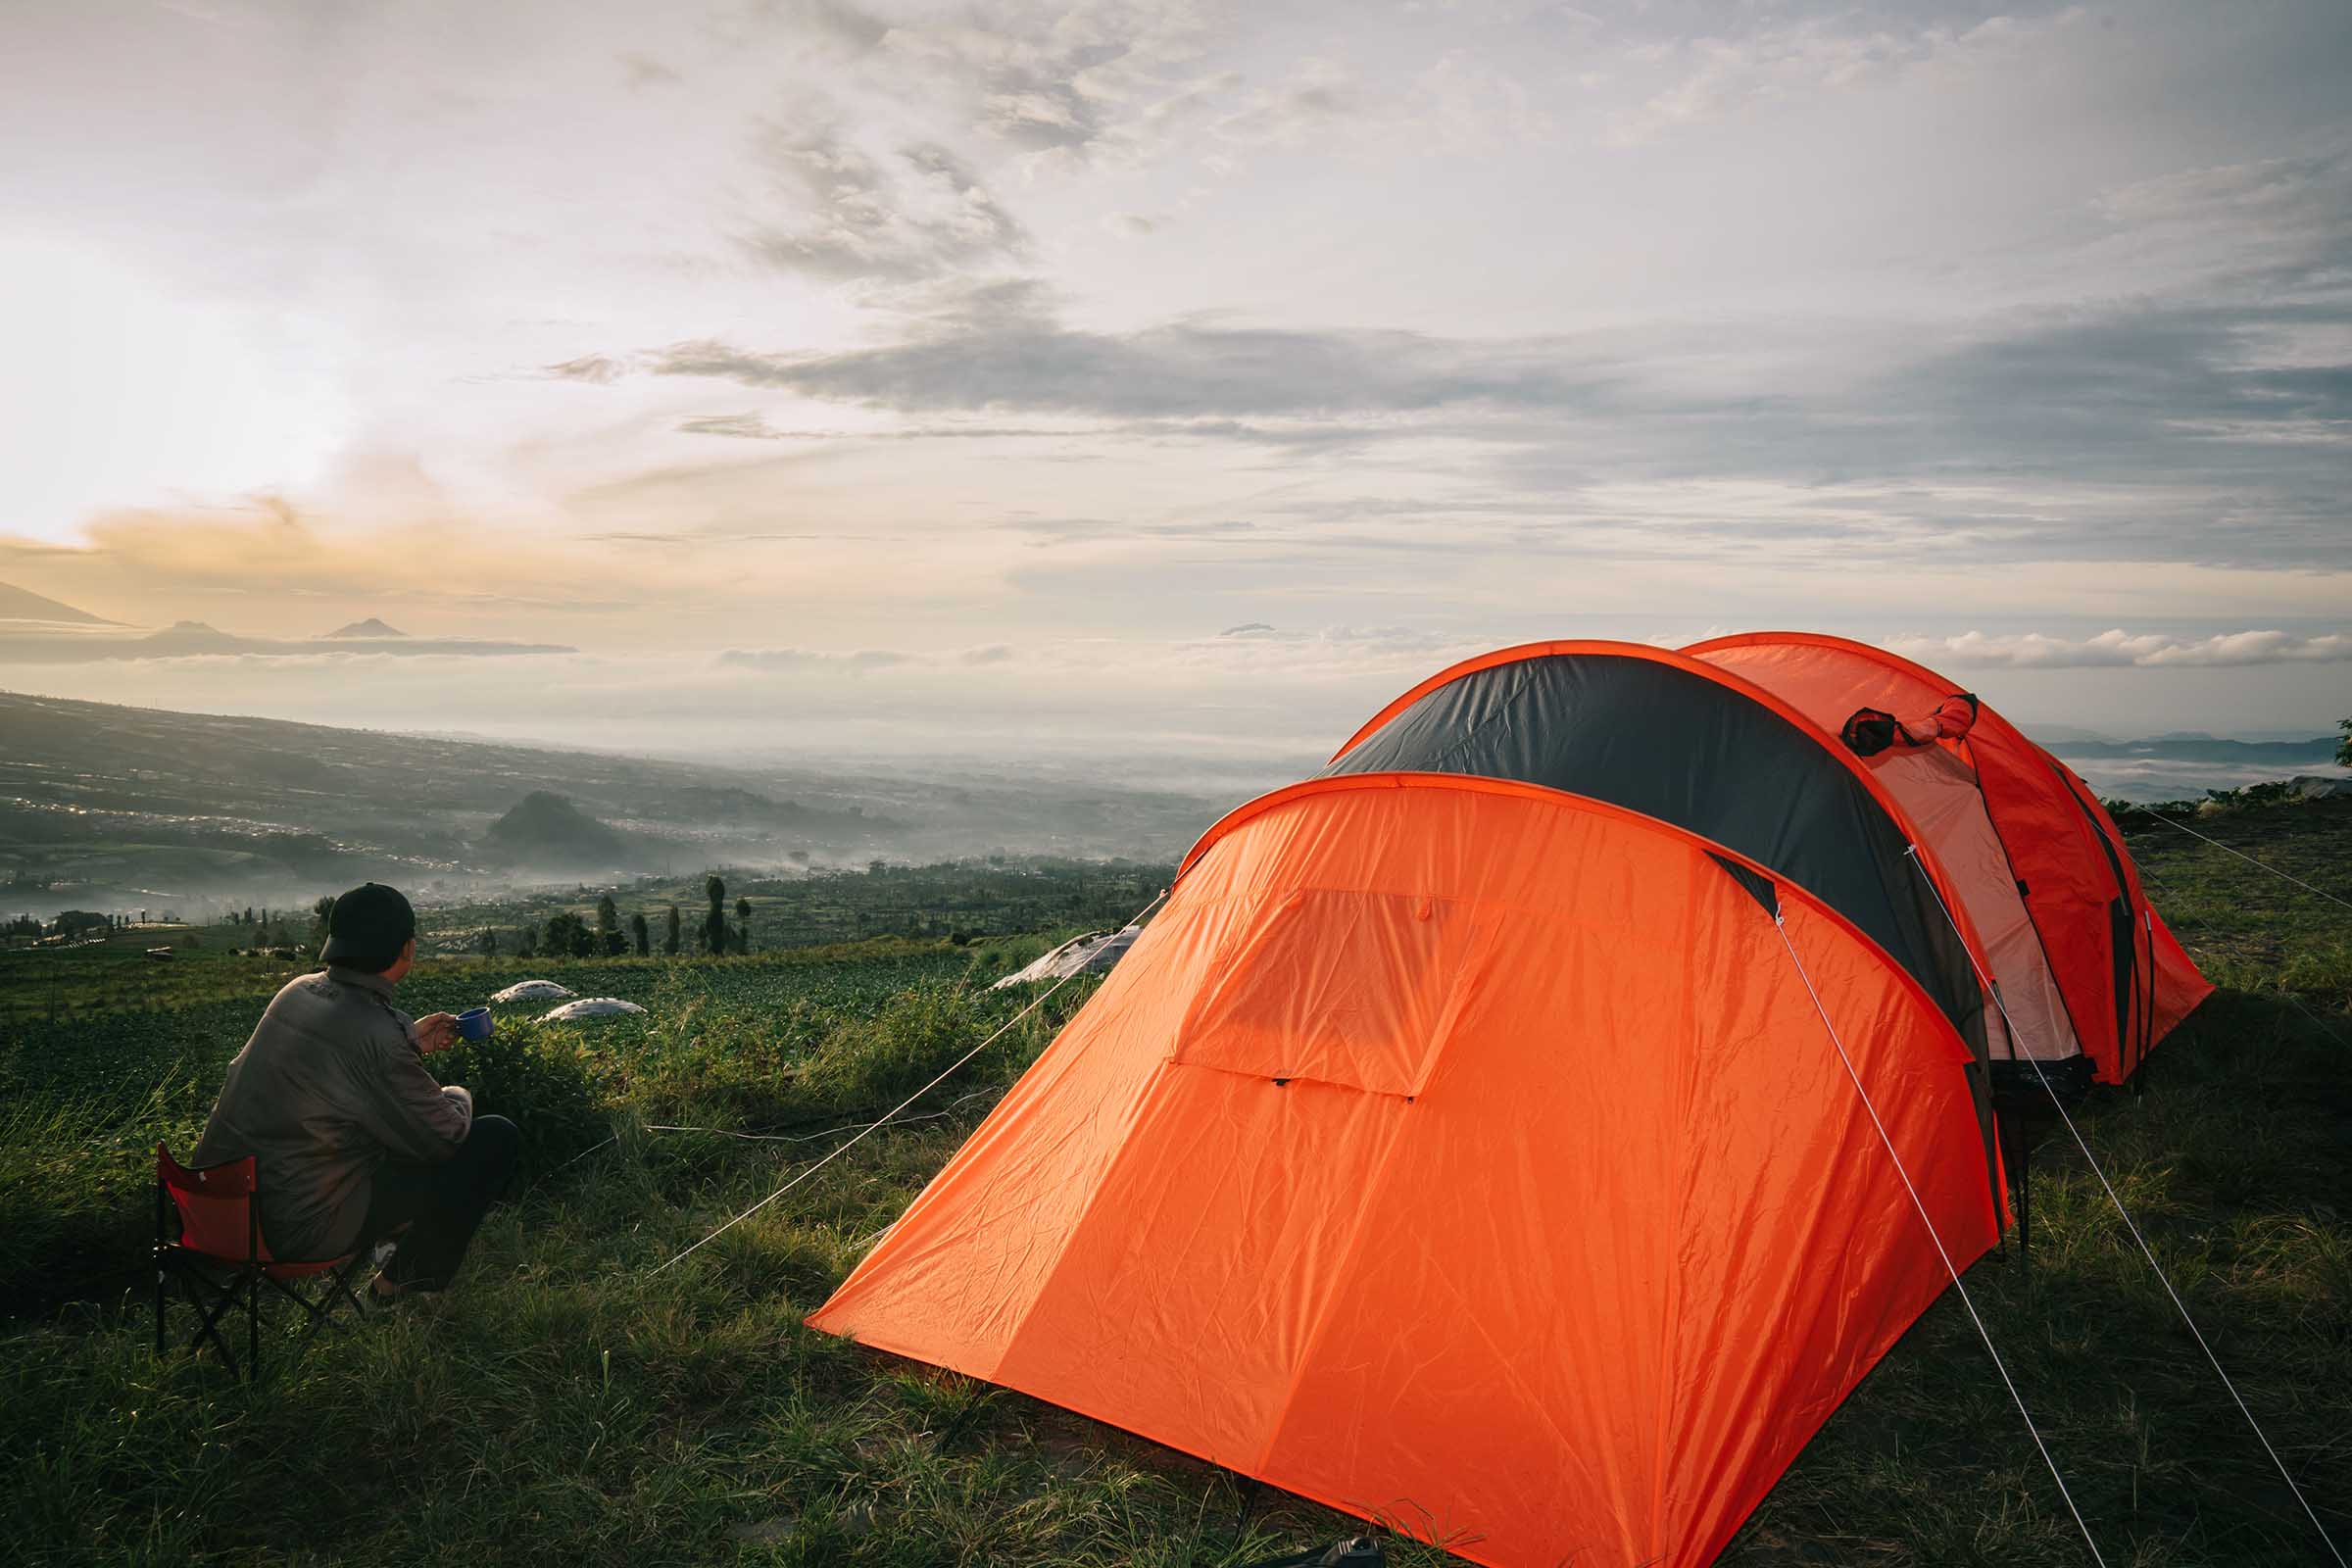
[1316,96]
[1718,78]
[850,215]
[1466,104]
[2301,192]
[2122,648]
[808,658]
[1066,81]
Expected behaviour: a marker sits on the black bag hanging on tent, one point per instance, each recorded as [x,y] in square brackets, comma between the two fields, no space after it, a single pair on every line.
[1870,731]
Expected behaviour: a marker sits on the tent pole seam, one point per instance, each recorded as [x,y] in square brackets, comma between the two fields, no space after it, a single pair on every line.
[2179,1305]
[1919,1203]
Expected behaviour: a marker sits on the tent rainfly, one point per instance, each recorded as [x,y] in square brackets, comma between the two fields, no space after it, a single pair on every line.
[1526,1132]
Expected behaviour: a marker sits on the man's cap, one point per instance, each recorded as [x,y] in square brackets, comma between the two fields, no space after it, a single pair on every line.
[372,923]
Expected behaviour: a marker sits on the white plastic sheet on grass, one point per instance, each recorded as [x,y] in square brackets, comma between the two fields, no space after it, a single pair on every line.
[589,1007]
[1087,954]
[532,991]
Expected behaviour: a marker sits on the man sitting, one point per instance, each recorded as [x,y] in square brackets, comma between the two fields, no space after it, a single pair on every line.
[352,1137]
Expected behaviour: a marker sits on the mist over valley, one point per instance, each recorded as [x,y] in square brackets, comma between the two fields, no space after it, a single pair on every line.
[123,808]
[126,808]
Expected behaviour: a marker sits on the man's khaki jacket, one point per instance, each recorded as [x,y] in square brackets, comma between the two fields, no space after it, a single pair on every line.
[330,1086]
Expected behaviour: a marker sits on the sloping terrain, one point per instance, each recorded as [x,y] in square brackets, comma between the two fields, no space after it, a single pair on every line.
[90,793]
[21,604]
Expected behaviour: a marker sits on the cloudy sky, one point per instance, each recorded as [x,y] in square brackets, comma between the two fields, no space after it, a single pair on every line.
[1002,376]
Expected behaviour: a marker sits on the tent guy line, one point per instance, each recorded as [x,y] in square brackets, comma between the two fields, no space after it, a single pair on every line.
[885,1117]
[1781,923]
[2325,1027]
[2250,861]
[2293,1000]
[610,1139]
[2059,1105]
[806,1138]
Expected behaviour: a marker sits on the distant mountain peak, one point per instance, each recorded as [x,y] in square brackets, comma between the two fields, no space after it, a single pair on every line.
[21,604]
[368,629]
[546,828]
[190,637]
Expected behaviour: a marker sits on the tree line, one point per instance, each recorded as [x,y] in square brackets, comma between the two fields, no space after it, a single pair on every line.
[569,935]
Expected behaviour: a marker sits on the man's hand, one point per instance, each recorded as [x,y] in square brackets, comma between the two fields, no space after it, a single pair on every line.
[436,1031]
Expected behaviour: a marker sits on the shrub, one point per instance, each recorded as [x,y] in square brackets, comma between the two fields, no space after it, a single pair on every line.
[2271,792]
[876,1061]
[541,1079]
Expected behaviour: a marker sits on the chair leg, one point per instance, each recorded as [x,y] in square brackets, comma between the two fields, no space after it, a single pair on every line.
[253,1293]
[315,1310]
[342,1286]
[334,1290]
[161,1213]
[245,1291]
[357,1299]
[209,1316]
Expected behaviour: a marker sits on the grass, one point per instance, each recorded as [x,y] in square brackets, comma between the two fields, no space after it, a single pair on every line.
[2235,1163]
[570,1405]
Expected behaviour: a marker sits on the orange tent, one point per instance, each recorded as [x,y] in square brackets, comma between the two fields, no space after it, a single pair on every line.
[1526,1133]
[1467,1155]
[2086,966]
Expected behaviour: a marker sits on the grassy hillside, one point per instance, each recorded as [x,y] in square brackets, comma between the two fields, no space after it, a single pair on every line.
[569,1404]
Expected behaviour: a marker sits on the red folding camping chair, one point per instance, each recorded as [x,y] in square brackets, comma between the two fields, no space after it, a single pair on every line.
[220,1260]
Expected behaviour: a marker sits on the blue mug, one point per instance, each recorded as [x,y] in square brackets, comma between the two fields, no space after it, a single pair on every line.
[474,1024]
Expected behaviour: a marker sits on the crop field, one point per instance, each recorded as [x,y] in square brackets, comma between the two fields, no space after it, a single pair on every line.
[821,909]
[568,1403]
